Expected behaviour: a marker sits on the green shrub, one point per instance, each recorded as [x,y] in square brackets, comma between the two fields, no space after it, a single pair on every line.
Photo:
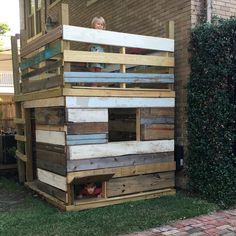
[211,161]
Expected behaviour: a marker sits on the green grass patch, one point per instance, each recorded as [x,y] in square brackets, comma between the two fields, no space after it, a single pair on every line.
[35,217]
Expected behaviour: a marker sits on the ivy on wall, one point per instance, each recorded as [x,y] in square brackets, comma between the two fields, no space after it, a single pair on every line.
[211,162]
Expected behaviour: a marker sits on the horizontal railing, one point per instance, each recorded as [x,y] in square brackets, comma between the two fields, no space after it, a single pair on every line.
[6,79]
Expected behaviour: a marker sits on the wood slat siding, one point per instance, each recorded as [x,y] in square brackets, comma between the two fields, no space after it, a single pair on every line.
[124,170]
[52,179]
[119,161]
[57,193]
[41,84]
[50,116]
[51,158]
[117,92]
[117,102]
[140,183]
[87,115]
[117,58]
[51,51]
[42,41]
[49,102]
[89,77]
[157,132]
[87,128]
[51,137]
[119,148]
[157,112]
[86,139]
[80,34]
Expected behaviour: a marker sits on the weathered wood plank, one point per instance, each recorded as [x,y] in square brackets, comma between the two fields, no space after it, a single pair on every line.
[140,183]
[36,85]
[157,120]
[87,115]
[87,128]
[52,179]
[51,147]
[124,170]
[157,131]
[117,102]
[117,58]
[49,52]
[50,116]
[52,167]
[55,192]
[52,127]
[52,137]
[90,77]
[86,139]
[119,148]
[157,112]
[119,161]
[42,41]
[49,102]
[117,92]
[80,34]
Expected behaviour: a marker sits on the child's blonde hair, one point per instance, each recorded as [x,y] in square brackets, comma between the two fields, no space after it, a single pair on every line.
[98,18]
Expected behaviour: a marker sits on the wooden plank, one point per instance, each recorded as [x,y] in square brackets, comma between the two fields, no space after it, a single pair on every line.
[124,170]
[119,148]
[52,127]
[90,77]
[105,37]
[117,102]
[52,179]
[50,116]
[19,121]
[117,92]
[49,102]
[157,131]
[50,93]
[87,128]
[117,58]
[87,115]
[119,161]
[51,137]
[51,147]
[140,183]
[21,138]
[46,68]
[21,156]
[49,52]
[157,112]
[57,193]
[42,41]
[52,167]
[86,139]
[158,120]
[100,202]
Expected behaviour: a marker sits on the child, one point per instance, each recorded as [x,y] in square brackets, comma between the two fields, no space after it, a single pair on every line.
[100,24]
[90,190]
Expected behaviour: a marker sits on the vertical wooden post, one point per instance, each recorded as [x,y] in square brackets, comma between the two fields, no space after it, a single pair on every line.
[70,194]
[170,33]
[17,91]
[138,124]
[104,189]
[123,67]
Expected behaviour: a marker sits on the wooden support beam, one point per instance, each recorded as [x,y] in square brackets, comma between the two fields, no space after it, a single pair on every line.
[122,66]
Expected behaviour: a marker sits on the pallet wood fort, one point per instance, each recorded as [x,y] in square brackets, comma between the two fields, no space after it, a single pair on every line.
[119,136]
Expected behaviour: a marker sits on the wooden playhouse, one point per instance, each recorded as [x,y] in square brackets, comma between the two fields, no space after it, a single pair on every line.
[119,135]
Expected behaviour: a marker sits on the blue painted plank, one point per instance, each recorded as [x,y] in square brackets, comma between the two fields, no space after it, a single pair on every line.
[44,55]
[85,137]
[91,141]
[91,77]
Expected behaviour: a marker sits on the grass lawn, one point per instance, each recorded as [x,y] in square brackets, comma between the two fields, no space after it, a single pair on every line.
[32,216]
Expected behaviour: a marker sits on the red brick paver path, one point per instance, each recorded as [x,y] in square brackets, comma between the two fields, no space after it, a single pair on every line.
[221,223]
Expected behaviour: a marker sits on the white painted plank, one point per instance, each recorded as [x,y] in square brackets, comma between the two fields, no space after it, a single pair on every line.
[52,179]
[87,115]
[117,102]
[105,37]
[119,149]
[52,137]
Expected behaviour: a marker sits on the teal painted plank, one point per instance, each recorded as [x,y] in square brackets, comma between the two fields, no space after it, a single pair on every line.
[92,141]
[44,55]
[86,136]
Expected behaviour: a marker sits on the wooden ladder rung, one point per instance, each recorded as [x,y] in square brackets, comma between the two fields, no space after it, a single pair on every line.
[21,138]
[19,121]
[21,156]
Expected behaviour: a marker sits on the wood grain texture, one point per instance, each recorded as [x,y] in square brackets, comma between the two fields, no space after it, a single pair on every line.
[119,148]
[47,102]
[52,137]
[87,128]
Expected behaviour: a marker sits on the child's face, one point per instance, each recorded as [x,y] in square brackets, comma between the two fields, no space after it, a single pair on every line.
[90,190]
[99,25]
